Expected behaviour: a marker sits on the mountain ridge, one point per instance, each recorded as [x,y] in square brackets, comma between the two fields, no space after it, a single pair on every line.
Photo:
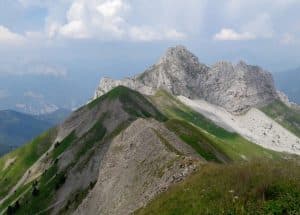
[122,142]
[237,88]
[132,145]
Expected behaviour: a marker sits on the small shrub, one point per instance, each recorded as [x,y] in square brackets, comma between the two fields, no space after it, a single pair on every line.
[35,191]
[56,144]
[61,179]
[10,210]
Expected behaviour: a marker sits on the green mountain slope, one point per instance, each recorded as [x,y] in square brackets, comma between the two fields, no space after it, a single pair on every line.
[105,117]
[16,163]
[232,145]
[18,128]
[117,153]
[284,115]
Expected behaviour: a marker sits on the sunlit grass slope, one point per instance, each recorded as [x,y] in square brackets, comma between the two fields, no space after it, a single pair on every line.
[260,187]
[232,145]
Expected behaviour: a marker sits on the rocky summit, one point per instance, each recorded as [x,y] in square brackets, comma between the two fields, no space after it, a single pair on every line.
[236,88]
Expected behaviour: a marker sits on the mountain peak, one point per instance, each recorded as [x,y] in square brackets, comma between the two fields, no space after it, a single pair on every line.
[242,63]
[177,50]
[235,87]
[178,54]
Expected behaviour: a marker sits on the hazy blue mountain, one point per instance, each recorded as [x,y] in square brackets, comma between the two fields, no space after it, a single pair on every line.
[18,128]
[289,83]
[55,117]
[40,95]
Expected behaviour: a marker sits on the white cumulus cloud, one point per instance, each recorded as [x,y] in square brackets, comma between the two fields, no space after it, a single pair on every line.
[8,37]
[107,20]
[260,27]
[227,34]
[100,19]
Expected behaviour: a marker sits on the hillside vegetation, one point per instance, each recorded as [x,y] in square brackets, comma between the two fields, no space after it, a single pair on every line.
[259,187]
[14,164]
[284,115]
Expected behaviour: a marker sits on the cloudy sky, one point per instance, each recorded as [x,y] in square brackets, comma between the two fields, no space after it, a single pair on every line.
[72,43]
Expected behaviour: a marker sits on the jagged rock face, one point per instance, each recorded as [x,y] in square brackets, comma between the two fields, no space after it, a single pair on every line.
[234,87]
[239,87]
[178,72]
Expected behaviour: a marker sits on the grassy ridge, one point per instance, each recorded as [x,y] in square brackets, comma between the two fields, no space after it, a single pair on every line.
[133,102]
[261,187]
[284,115]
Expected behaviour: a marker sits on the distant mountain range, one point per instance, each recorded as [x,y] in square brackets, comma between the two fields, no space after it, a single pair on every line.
[18,128]
[289,83]
[54,117]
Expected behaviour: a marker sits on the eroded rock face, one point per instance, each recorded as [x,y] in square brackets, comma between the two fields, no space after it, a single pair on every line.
[234,87]
[239,87]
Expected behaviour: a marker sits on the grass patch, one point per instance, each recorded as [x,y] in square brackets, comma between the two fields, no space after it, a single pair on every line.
[197,140]
[16,196]
[60,147]
[173,108]
[261,187]
[40,195]
[284,115]
[36,196]
[96,134]
[25,157]
[88,141]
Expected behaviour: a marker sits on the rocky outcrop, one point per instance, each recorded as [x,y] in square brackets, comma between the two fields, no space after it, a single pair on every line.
[237,88]
[178,72]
